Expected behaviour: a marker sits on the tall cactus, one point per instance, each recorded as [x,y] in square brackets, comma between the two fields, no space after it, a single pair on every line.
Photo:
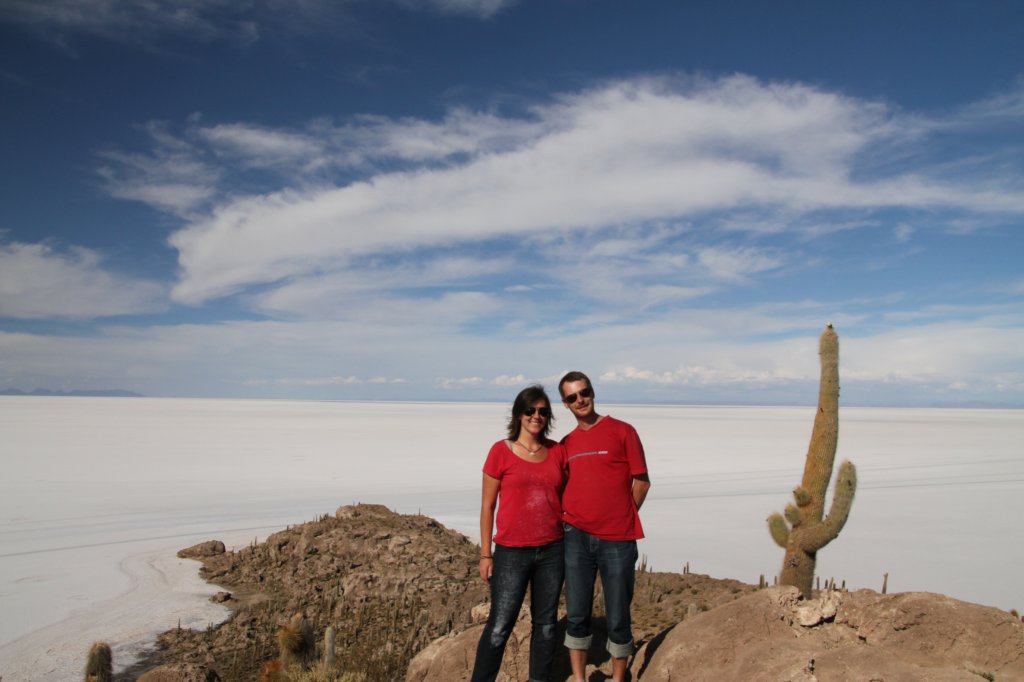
[802,531]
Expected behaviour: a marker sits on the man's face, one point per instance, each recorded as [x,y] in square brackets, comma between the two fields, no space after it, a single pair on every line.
[582,406]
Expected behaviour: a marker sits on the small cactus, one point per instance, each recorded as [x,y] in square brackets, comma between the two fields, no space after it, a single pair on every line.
[100,665]
[804,529]
[295,641]
[329,647]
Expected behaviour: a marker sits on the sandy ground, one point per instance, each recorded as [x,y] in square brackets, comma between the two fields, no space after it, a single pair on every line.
[97,494]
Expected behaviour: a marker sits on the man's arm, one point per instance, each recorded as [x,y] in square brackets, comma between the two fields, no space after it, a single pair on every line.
[641,484]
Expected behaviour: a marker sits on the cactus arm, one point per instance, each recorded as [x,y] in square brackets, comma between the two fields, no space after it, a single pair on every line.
[793,515]
[779,530]
[842,499]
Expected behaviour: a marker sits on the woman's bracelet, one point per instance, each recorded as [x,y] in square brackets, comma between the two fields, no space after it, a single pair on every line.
[486,557]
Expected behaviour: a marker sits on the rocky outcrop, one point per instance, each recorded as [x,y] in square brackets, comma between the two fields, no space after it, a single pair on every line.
[203,549]
[374,575]
[405,602]
[775,635]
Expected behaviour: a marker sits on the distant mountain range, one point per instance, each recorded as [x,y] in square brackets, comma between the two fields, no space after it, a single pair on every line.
[108,393]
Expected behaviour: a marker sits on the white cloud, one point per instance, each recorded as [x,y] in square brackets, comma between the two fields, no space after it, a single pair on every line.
[759,355]
[628,153]
[39,282]
[369,139]
[260,146]
[462,382]
[903,232]
[345,297]
[999,108]
[483,8]
[170,176]
[505,380]
[736,264]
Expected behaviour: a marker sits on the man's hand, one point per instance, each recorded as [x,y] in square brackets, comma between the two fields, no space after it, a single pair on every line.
[641,484]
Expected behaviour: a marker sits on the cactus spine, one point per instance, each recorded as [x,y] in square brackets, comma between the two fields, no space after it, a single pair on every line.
[804,529]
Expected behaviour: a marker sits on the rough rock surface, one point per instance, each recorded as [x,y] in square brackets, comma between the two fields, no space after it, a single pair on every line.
[394,585]
[773,635]
[910,637]
[203,549]
[371,573]
[180,672]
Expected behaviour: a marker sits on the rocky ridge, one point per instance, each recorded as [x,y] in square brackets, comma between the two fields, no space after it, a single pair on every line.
[372,574]
[404,598]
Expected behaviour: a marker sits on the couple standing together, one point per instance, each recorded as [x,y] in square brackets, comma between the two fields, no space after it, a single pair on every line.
[568,511]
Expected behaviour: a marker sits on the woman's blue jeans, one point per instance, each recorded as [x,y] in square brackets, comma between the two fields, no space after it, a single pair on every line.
[585,557]
[542,568]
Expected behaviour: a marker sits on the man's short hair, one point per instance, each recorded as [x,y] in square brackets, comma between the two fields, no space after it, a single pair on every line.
[574,375]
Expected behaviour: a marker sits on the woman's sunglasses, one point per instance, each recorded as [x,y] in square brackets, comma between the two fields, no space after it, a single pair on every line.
[544,411]
[571,398]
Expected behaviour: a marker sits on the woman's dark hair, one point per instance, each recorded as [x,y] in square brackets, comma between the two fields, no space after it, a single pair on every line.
[526,398]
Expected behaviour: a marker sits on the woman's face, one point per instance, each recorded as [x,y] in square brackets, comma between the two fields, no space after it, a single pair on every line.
[535,423]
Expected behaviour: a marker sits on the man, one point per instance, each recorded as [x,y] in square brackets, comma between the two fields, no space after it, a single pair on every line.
[607,485]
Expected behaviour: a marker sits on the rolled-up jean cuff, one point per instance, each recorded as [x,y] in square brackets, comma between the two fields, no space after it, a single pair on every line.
[578,642]
[619,650]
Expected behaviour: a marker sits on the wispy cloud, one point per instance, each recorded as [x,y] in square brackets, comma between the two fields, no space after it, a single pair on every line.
[609,229]
[208,20]
[128,20]
[641,152]
[38,281]
[262,147]
[692,356]
[169,175]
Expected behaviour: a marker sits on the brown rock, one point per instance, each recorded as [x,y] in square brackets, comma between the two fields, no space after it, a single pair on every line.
[385,601]
[180,672]
[914,637]
[203,549]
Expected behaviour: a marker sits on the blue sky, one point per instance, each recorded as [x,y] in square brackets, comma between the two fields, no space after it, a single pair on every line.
[448,199]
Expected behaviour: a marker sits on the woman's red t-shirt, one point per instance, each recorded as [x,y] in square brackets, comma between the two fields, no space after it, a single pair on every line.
[529,500]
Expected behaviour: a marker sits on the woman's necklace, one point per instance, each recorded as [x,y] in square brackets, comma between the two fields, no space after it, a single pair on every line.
[532,453]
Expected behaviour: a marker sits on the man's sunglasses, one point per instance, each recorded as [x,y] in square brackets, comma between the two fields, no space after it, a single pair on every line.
[544,411]
[571,398]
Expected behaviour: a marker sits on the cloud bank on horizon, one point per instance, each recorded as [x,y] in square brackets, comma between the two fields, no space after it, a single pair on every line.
[680,233]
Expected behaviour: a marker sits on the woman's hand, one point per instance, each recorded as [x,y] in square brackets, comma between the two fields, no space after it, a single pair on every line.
[486,568]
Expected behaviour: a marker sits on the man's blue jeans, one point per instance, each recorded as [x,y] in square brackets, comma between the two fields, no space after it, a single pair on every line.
[514,567]
[585,557]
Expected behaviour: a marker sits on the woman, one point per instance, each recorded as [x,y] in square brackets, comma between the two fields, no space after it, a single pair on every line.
[528,472]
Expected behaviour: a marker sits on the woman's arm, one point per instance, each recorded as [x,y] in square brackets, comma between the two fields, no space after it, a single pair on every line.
[488,502]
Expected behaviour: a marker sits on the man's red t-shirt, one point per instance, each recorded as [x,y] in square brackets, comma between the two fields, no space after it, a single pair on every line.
[602,461]
[529,501]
